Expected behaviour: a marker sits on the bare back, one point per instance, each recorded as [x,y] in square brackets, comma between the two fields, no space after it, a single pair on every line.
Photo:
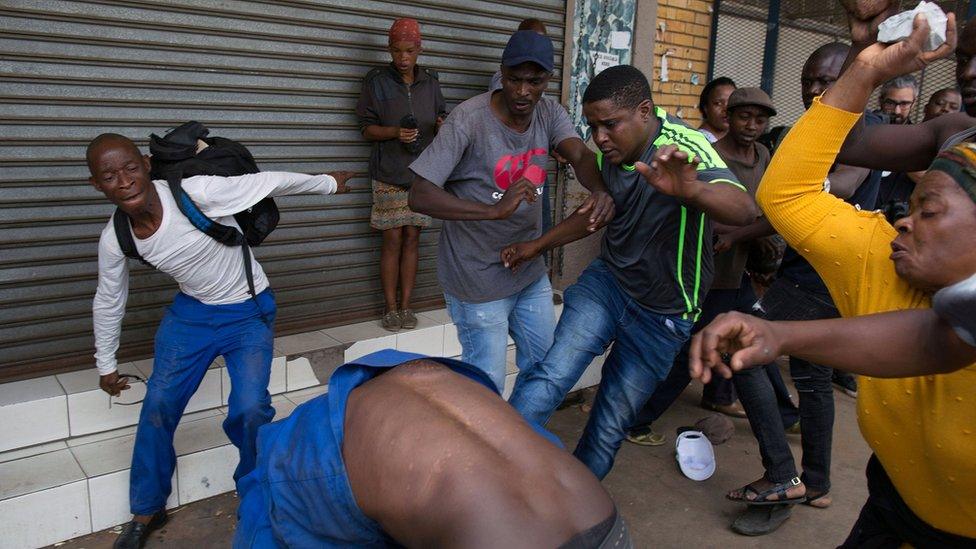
[439,460]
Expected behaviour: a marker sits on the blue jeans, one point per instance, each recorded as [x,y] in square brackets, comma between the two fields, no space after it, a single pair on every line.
[596,313]
[483,328]
[785,300]
[189,338]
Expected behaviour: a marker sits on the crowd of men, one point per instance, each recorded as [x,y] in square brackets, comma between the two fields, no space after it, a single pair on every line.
[704,233]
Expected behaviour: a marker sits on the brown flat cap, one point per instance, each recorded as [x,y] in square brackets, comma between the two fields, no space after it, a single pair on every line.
[743,97]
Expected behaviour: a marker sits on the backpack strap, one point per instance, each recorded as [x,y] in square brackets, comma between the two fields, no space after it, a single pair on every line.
[123,233]
[226,235]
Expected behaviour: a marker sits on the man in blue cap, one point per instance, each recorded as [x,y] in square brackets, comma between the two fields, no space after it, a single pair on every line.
[482,175]
[406,450]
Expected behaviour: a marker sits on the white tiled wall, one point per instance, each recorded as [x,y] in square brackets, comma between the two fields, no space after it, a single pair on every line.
[109,499]
[207,473]
[45,517]
[43,401]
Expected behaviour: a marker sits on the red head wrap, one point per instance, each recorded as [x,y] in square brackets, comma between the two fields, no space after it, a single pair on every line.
[405,30]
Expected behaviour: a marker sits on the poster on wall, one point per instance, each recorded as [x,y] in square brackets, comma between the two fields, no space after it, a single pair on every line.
[602,38]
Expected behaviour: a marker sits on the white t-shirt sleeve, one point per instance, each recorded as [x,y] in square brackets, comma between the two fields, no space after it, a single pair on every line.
[222,196]
[108,307]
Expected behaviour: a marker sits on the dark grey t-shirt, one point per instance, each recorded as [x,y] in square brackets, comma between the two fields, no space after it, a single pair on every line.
[659,250]
[475,157]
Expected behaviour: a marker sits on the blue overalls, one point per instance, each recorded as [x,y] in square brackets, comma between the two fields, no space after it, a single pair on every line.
[189,338]
[299,495]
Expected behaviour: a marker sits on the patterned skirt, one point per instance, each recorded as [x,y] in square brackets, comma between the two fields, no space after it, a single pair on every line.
[390,208]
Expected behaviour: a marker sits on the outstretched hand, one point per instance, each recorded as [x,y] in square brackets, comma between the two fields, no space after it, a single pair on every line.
[671,172]
[730,343]
[341,178]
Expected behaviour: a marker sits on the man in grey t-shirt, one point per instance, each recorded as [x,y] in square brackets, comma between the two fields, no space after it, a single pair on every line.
[482,175]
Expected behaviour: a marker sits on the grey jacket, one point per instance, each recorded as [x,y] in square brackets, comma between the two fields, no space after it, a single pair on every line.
[384,101]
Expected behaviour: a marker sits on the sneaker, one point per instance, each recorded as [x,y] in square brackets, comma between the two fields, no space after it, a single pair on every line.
[645,436]
[847,383]
[408,321]
[391,321]
[134,534]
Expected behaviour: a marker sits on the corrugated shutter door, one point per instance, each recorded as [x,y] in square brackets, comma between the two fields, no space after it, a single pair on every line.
[280,76]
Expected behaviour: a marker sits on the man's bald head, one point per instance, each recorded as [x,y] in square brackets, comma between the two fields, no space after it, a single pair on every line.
[821,70]
[104,142]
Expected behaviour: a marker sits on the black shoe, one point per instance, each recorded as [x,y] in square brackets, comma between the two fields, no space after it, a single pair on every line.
[846,383]
[134,534]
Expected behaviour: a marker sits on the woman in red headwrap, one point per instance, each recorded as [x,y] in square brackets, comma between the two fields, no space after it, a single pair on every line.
[399,110]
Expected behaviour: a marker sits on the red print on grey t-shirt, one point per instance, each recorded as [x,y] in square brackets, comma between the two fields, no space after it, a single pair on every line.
[512,167]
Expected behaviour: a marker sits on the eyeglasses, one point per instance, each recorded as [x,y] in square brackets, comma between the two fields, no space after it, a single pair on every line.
[132,377]
[892,104]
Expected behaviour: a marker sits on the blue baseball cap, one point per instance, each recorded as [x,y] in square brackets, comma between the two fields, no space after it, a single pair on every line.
[528,46]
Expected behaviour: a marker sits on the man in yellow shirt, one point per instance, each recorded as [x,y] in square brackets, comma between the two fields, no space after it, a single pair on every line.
[921,480]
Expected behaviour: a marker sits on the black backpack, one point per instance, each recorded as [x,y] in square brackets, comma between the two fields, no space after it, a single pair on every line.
[174,157]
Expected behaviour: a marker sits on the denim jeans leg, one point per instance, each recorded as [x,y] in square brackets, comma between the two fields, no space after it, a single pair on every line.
[588,323]
[641,358]
[816,420]
[532,323]
[483,333]
[759,401]
[184,349]
[812,381]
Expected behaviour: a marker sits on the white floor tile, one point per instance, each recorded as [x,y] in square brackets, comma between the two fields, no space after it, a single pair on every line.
[367,346]
[205,474]
[276,384]
[300,343]
[46,517]
[299,374]
[283,407]
[105,456]
[425,340]
[591,376]
[41,400]
[439,316]
[304,395]
[109,496]
[509,385]
[357,332]
[30,451]
[90,412]
[38,473]
[202,434]
[452,346]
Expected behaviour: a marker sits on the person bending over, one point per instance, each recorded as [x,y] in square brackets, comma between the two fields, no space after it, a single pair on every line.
[406,450]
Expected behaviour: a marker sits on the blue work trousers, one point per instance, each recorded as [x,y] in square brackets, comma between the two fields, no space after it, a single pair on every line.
[191,335]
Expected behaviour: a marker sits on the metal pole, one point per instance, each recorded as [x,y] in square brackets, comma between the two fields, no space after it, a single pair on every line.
[716,10]
[769,51]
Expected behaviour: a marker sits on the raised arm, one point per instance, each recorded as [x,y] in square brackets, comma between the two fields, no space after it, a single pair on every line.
[672,172]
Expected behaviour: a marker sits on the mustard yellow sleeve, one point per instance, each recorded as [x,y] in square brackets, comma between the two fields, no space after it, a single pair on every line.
[842,243]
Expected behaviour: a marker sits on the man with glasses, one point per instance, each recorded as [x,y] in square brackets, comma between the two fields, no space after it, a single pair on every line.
[897,97]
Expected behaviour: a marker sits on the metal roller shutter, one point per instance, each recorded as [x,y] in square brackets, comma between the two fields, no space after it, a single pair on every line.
[280,76]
